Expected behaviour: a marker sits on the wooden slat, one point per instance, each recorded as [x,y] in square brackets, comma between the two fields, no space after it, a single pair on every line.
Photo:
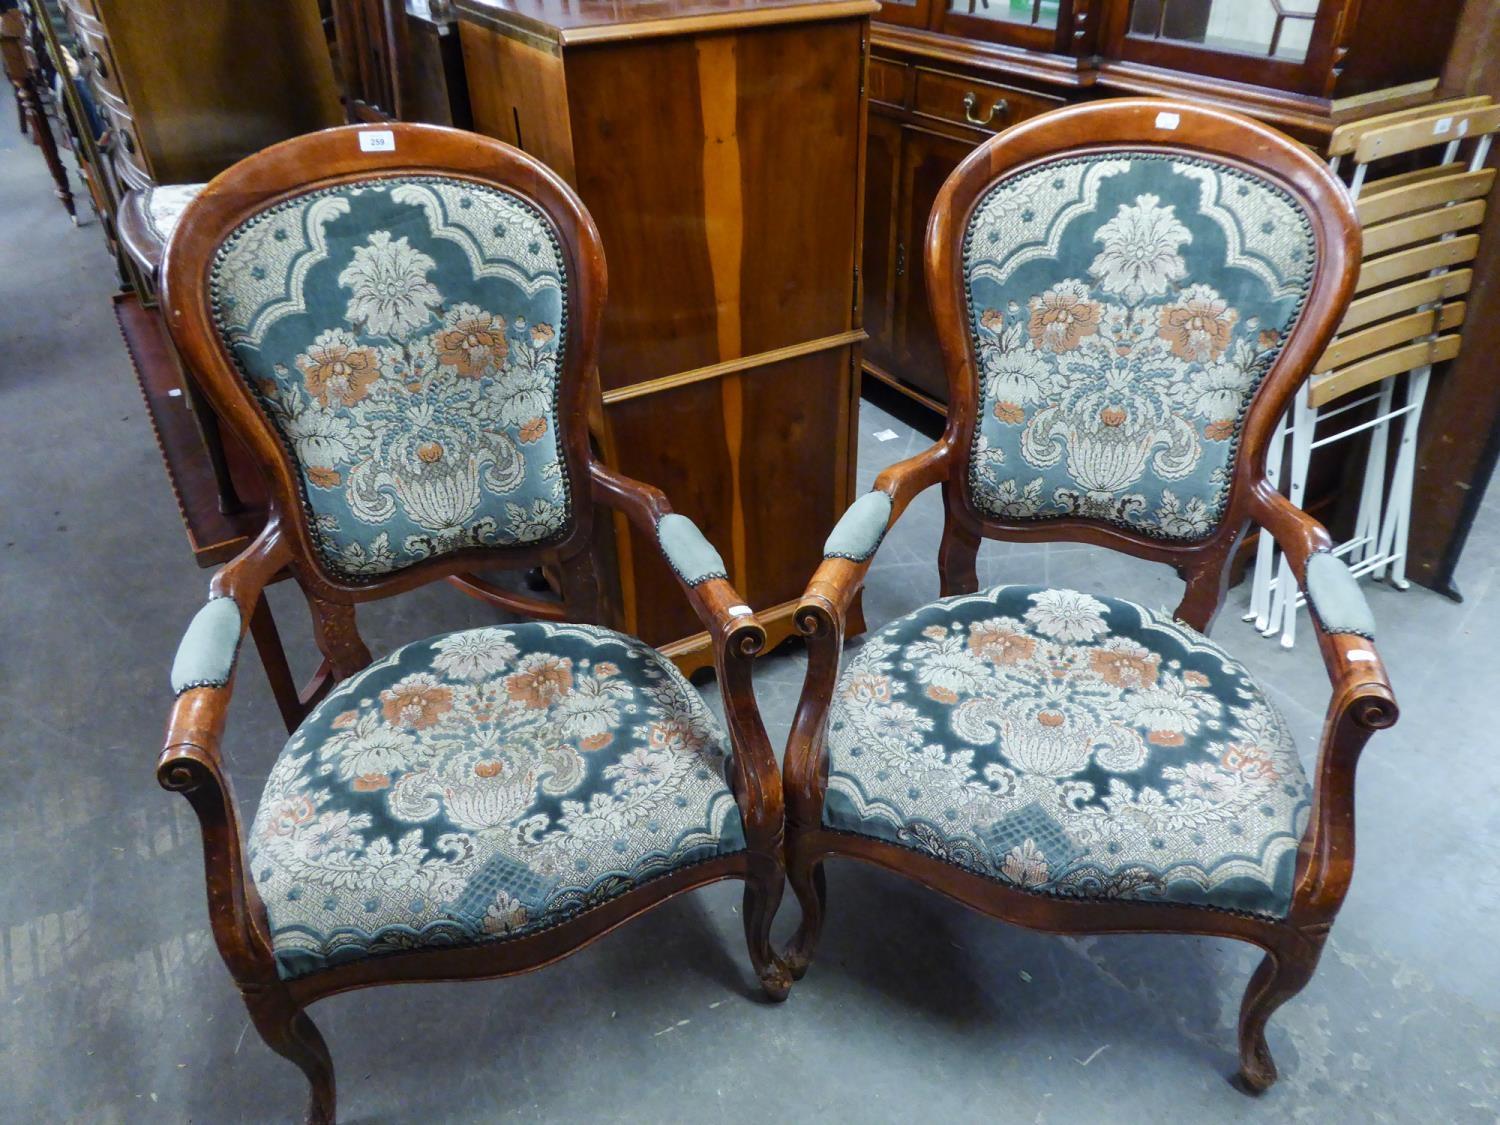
[1424,227]
[1336,384]
[1438,129]
[1403,298]
[1402,330]
[1419,259]
[1415,176]
[1378,206]
[732,366]
[1345,139]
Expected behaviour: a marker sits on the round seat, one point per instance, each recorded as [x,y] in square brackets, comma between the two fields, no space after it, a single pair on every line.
[485,784]
[1069,744]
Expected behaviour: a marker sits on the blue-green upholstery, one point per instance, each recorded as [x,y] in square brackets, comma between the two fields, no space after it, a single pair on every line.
[205,655]
[1335,597]
[482,785]
[405,337]
[1070,745]
[860,529]
[687,550]
[1124,307]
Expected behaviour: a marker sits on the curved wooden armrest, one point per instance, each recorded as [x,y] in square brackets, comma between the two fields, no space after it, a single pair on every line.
[716,602]
[1361,687]
[838,579]
[737,635]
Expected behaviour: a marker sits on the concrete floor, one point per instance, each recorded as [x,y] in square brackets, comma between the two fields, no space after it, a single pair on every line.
[114,1005]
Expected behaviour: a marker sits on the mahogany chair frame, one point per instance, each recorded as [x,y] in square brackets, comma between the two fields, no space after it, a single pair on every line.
[1362,701]
[192,761]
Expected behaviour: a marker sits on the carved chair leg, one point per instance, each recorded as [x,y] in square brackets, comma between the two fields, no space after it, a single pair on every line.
[763,887]
[1279,977]
[289,1032]
[810,886]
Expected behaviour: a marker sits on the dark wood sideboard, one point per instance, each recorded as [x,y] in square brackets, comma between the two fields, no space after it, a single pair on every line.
[719,146]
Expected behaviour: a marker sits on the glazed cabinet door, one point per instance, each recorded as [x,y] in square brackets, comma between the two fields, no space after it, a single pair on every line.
[881,233]
[927,159]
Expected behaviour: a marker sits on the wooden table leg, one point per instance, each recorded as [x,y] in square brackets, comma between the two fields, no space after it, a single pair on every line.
[41,133]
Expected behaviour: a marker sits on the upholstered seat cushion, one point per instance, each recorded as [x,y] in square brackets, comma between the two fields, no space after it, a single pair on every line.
[1071,745]
[485,784]
[165,204]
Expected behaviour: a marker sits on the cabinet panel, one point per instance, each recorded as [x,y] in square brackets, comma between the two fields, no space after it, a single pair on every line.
[927,160]
[882,198]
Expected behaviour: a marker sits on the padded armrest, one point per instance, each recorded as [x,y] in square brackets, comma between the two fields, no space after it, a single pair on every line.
[687,550]
[1335,597]
[206,656]
[859,531]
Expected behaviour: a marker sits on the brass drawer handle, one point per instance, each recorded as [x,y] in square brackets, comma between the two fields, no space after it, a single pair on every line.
[971,99]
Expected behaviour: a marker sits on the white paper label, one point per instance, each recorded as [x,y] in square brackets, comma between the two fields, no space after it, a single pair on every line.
[1362,656]
[887,435]
[377,140]
[1167,120]
[1441,126]
[740,611]
[175,392]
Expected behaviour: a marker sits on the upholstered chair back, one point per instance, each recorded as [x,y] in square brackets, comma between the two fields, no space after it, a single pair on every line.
[1124,305]
[404,335]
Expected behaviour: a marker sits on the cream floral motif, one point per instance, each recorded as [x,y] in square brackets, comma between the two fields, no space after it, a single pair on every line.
[1061,741]
[423,422]
[1116,390]
[574,771]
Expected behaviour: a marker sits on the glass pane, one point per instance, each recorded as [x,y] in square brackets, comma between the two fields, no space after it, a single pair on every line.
[1040,13]
[1278,29]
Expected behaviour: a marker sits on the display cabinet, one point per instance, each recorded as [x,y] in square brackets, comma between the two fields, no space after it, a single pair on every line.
[947,74]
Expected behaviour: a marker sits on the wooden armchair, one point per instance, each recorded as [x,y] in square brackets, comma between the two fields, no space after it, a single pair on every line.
[1127,293]
[403,339]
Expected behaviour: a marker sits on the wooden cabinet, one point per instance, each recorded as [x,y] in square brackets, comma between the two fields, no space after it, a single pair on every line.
[947,74]
[188,89]
[718,145]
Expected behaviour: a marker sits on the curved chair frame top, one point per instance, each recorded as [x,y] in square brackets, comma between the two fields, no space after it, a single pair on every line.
[1362,700]
[192,760]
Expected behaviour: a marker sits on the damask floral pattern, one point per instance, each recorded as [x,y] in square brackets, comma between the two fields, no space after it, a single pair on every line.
[485,784]
[404,336]
[1124,309]
[1072,745]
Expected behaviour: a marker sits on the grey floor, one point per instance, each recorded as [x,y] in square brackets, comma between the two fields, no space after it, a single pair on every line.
[114,1005]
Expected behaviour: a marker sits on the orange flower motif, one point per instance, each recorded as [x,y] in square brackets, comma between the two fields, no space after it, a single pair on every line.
[488,769]
[1010,412]
[324,478]
[1196,679]
[1251,761]
[1166,738]
[1062,317]
[670,735]
[992,319]
[473,345]
[1268,338]
[1051,718]
[345,719]
[1199,325]
[338,372]
[869,687]
[417,702]
[533,428]
[934,632]
[1222,430]
[542,680]
[1001,646]
[941,694]
[1112,416]
[605,669]
[596,741]
[1123,669]
[371,782]
[540,334]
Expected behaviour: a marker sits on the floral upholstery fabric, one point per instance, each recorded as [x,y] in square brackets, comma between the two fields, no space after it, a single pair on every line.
[165,204]
[404,336]
[1069,745]
[485,784]
[1124,308]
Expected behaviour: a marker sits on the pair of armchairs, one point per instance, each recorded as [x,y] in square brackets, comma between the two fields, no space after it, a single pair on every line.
[1128,292]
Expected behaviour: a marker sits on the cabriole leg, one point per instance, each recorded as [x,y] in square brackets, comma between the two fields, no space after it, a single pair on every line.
[1280,976]
[763,887]
[289,1032]
[810,886]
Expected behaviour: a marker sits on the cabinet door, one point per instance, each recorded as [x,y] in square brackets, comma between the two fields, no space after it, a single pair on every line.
[927,159]
[878,270]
